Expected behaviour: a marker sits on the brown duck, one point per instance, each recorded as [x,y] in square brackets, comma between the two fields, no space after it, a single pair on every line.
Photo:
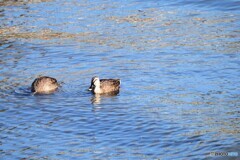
[104,86]
[44,85]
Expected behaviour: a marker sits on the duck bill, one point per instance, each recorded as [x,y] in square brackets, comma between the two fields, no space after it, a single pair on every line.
[90,88]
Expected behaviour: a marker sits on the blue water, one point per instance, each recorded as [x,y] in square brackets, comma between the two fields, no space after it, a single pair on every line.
[179,66]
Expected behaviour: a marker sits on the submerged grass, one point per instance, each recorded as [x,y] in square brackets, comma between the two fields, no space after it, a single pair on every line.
[20,2]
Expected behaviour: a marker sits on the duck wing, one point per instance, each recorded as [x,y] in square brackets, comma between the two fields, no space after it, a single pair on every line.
[109,82]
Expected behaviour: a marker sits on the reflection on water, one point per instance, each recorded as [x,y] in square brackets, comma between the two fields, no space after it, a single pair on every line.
[179,66]
[96,99]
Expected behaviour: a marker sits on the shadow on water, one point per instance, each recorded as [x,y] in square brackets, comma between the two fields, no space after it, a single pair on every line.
[23,91]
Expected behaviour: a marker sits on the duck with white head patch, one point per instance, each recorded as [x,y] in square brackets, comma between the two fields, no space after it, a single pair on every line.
[104,86]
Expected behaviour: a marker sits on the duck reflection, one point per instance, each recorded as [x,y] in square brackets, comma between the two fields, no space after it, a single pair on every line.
[97,98]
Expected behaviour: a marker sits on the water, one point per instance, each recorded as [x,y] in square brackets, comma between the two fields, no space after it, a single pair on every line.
[178,62]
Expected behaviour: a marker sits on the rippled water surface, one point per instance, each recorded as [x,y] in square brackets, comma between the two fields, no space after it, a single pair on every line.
[178,62]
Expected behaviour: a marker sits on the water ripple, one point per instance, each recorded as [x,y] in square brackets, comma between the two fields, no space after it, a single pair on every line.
[178,63]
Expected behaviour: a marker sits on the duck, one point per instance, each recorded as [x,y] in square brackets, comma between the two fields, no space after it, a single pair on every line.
[44,85]
[104,86]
